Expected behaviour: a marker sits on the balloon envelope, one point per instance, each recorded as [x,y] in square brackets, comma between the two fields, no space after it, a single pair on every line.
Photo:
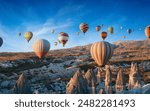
[41,47]
[98,28]
[129,31]
[19,34]
[84,27]
[63,38]
[1,41]
[111,30]
[101,52]
[28,35]
[103,35]
[52,31]
[147,31]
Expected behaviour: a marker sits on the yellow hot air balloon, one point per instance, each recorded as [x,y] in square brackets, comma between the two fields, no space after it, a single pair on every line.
[84,27]
[98,28]
[111,30]
[41,47]
[147,31]
[19,34]
[28,35]
[63,38]
[103,35]
[101,52]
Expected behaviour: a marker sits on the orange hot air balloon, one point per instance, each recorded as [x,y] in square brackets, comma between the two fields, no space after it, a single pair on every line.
[98,28]
[84,27]
[101,52]
[103,35]
[147,31]
[41,47]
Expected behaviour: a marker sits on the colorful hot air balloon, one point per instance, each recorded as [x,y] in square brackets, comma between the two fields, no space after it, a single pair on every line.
[28,35]
[103,35]
[55,43]
[111,30]
[52,31]
[63,38]
[98,28]
[147,31]
[41,47]
[101,52]
[19,34]
[129,31]
[1,41]
[84,27]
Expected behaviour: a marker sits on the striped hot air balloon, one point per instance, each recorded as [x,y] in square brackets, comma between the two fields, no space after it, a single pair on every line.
[101,52]
[28,35]
[98,28]
[1,41]
[147,31]
[84,27]
[63,38]
[111,30]
[41,47]
[103,35]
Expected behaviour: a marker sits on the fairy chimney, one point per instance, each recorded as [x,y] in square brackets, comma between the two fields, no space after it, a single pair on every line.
[99,75]
[22,86]
[120,81]
[108,81]
[134,76]
[91,81]
[77,84]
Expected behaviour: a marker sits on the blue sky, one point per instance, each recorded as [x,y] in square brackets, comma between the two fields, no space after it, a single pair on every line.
[40,16]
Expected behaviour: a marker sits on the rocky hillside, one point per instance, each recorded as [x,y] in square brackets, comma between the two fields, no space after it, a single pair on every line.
[52,74]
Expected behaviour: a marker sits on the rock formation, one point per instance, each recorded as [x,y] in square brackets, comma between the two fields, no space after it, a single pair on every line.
[22,86]
[77,84]
[108,81]
[91,81]
[134,76]
[120,81]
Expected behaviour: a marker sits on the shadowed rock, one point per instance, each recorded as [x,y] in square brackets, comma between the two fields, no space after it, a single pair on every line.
[77,84]
[22,86]
[120,81]
[91,81]
[134,76]
[108,81]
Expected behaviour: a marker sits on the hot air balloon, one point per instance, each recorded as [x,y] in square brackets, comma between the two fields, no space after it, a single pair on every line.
[111,30]
[1,41]
[63,38]
[55,43]
[19,34]
[147,31]
[101,52]
[77,33]
[41,47]
[98,28]
[28,35]
[52,31]
[84,27]
[103,35]
[129,31]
